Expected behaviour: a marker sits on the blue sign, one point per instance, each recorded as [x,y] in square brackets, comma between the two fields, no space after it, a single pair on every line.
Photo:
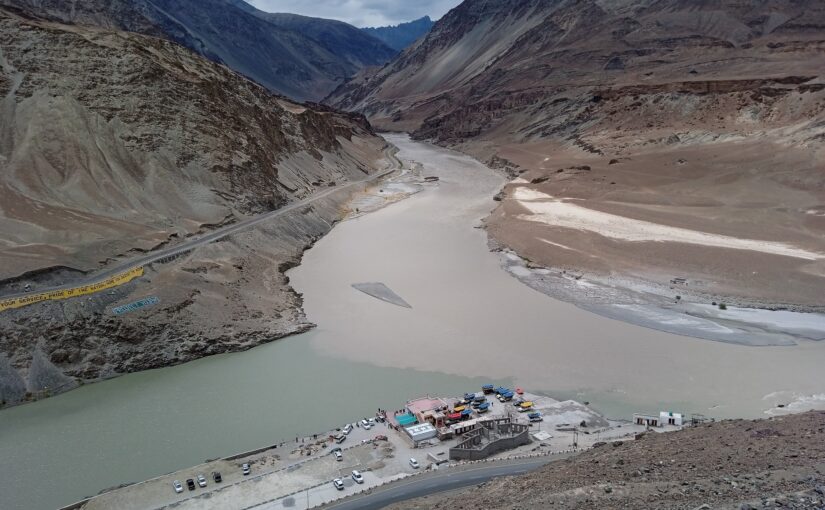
[137,305]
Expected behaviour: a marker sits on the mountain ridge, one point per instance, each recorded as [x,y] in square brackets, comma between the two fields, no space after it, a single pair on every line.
[266,48]
[402,35]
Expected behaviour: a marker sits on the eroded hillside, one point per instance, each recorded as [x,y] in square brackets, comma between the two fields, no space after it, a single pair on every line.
[114,143]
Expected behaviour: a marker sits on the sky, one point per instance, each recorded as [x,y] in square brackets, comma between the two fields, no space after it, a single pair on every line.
[361,13]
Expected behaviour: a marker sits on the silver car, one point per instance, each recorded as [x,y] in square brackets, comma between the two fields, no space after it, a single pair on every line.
[357,476]
[178,487]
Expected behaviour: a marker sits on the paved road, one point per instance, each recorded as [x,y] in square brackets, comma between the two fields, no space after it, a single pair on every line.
[440,481]
[215,235]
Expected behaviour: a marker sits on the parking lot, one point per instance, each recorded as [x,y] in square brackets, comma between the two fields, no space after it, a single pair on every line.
[299,474]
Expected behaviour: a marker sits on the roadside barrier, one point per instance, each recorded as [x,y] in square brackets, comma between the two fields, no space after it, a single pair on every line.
[113,281]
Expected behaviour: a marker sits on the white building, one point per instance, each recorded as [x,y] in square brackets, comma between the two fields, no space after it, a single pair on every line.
[670,418]
[664,418]
[421,432]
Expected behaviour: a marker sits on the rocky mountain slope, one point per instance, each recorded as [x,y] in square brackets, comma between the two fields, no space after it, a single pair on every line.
[303,58]
[402,35]
[113,143]
[698,121]
[737,465]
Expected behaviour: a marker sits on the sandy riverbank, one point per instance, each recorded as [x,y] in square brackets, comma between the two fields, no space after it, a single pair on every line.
[655,306]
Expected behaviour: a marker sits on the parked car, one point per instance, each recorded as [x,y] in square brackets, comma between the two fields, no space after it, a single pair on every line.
[340,438]
[381,437]
[339,456]
[202,480]
[217,477]
[347,429]
[364,423]
[191,484]
[338,483]
[178,487]
[414,463]
[245,469]
[372,422]
[357,476]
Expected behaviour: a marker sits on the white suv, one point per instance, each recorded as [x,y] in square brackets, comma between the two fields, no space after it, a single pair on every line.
[357,476]
[414,463]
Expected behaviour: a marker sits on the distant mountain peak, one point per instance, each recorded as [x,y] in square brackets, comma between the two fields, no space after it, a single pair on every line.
[399,37]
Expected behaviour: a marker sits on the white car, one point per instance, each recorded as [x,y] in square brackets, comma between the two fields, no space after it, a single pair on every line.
[245,469]
[414,463]
[178,487]
[357,476]
[347,429]
[338,455]
[201,480]
[338,483]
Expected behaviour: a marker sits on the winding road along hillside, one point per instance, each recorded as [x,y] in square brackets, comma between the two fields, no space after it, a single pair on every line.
[190,244]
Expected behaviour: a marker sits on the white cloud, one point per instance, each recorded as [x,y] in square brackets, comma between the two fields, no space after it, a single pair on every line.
[361,13]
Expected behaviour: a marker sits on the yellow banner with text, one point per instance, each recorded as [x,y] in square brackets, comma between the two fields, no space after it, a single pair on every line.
[114,281]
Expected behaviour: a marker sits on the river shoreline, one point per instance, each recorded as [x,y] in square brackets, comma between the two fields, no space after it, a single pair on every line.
[653,306]
[678,308]
[470,322]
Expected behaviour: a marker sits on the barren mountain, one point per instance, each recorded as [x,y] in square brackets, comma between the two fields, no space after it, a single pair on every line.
[653,140]
[112,143]
[732,465]
[402,35]
[303,58]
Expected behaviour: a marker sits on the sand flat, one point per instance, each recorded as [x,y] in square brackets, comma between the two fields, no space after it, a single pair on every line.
[557,212]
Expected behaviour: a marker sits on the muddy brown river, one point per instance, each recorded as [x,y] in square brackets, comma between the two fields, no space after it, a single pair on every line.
[469,322]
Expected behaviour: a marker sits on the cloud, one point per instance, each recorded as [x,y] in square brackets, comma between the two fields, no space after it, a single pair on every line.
[361,13]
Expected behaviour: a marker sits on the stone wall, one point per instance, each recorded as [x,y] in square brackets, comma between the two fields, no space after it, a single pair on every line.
[491,437]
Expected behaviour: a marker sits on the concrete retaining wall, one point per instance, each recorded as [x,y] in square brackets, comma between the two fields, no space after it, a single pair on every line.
[499,445]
